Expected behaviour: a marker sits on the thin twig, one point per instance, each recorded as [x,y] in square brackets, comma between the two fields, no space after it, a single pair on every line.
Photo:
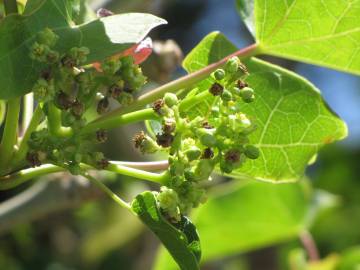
[309,245]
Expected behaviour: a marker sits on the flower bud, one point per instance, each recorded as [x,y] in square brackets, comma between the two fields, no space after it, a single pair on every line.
[219,74]
[207,154]
[33,159]
[63,101]
[158,106]
[77,108]
[252,152]
[241,84]
[103,106]
[164,140]
[206,137]
[125,99]
[170,99]
[247,94]
[47,37]
[226,167]
[193,153]
[101,136]
[232,65]
[226,95]
[74,168]
[216,89]
[145,143]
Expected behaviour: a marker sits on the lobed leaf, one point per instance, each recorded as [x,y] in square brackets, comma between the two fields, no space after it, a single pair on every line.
[292,119]
[104,37]
[265,214]
[182,243]
[325,33]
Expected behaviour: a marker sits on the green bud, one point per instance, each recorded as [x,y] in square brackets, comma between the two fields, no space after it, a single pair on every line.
[74,168]
[236,90]
[67,118]
[111,66]
[170,99]
[232,65]
[226,95]
[226,167]
[219,74]
[47,37]
[206,137]
[145,144]
[247,94]
[203,169]
[252,152]
[125,99]
[168,201]
[193,153]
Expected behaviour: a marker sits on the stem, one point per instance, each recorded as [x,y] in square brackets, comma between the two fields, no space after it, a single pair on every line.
[111,194]
[122,167]
[148,165]
[187,103]
[28,108]
[17,178]
[310,246]
[54,122]
[117,120]
[140,174]
[10,6]
[183,82]
[10,133]
[21,153]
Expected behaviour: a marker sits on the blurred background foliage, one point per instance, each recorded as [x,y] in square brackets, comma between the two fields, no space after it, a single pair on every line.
[92,232]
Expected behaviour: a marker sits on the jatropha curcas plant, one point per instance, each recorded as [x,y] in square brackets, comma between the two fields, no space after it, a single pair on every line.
[232,114]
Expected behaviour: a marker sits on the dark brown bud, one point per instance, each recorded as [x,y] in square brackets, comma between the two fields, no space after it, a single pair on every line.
[115,91]
[158,105]
[67,61]
[241,84]
[33,159]
[138,139]
[216,89]
[46,74]
[102,163]
[169,127]
[77,108]
[103,106]
[206,125]
[207,154]
[63,101]
[101,136]
[128,88]
[232,156]
[164,140]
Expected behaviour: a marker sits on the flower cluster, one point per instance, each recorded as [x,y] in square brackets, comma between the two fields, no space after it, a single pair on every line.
[197,145]
[67,90]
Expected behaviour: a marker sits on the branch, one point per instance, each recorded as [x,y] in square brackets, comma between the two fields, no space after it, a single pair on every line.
[181,83]
[309,245]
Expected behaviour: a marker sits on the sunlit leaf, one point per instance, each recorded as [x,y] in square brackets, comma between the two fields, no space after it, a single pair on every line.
[104,37]
[292,119]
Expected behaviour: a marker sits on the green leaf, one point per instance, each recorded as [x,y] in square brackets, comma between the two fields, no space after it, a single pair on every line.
[104,37]
[325,33]
[350,259]
[246,217]
[292,119]
[182,242]
[246,12]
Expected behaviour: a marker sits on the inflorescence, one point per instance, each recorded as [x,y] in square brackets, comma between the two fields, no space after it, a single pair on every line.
[67,91]
[199,144]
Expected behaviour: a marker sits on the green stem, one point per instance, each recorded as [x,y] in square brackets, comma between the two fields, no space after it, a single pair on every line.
[108,191]
[117,120]
[187,103]
[140,174]
[133,169]
[23,148]
[28,109]
[10,6]
[181,83]
[9,137]
[17,178]
[54,122]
